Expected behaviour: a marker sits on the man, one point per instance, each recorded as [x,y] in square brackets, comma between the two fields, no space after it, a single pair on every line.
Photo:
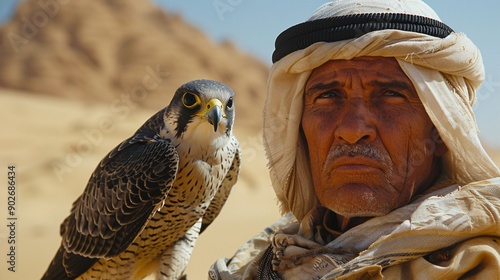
[374,152]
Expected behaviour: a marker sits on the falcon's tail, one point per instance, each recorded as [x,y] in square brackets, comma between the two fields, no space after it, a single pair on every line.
[67,266]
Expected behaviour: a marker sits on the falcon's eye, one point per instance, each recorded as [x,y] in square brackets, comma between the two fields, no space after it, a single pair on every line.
[229,104]
[190,100]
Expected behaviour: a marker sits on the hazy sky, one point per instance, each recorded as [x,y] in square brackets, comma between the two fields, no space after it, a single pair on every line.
[254,24]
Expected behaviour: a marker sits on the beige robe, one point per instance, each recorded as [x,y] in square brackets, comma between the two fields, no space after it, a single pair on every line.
[449,233]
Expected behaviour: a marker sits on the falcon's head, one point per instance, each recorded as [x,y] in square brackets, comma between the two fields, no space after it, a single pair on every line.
[201,108]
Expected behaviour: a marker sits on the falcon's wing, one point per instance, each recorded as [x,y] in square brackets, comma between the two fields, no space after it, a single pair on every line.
[226,185]
[125,189]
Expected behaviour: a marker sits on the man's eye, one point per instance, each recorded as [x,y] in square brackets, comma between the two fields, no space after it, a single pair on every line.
[393,93]
[328,94]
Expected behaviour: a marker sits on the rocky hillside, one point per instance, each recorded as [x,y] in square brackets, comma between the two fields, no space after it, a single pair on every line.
[120,51]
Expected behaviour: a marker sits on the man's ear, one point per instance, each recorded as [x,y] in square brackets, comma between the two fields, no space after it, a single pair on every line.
[441,147]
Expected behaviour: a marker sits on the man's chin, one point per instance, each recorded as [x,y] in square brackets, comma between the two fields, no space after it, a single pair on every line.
[350,213]
[358,200]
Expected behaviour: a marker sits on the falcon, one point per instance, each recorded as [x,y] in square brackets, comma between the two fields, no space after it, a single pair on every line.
[148,200]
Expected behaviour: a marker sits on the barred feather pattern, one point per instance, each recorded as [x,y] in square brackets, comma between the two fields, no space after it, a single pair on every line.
[170,235]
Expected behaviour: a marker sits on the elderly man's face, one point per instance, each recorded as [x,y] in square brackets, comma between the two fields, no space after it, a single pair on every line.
[371,143]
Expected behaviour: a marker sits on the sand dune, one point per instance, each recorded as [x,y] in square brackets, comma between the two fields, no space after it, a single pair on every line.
[120,50]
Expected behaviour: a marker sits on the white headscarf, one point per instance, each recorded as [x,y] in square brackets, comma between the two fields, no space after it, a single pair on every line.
[445,72]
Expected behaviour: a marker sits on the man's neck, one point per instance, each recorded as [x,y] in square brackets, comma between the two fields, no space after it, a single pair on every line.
[346,223]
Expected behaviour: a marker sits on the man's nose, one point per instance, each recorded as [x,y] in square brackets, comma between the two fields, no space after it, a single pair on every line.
[357,124]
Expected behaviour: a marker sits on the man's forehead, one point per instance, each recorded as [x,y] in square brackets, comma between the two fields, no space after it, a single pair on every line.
[382,69]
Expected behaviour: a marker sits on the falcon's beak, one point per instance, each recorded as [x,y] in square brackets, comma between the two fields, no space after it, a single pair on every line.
[213,112]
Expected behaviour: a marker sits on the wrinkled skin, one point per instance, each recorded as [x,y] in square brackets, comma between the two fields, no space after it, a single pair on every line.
[371,143]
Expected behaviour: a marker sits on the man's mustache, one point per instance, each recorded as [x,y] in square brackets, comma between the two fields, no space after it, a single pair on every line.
[365,150]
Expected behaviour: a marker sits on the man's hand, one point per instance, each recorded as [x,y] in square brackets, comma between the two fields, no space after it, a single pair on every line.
[291,251]
[296,257]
